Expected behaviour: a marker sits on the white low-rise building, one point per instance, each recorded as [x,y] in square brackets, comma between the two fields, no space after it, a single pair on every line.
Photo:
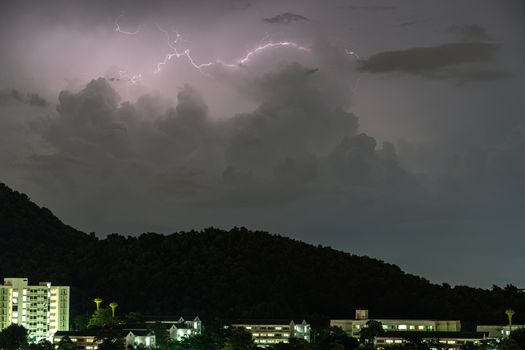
[498,331]
[269,332]
[354,326]
[180,328]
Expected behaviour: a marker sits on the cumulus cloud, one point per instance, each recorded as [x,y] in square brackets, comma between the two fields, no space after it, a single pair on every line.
[464,61]
[8,96]
[285,18]
[297,143]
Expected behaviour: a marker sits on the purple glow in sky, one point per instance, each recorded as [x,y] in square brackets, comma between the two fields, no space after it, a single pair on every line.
[393,129]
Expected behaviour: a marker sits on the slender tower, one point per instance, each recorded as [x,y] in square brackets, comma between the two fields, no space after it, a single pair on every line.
[113,307]
[510,313]
[98,301]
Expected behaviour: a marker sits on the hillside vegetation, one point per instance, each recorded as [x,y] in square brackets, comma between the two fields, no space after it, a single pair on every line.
[227,274]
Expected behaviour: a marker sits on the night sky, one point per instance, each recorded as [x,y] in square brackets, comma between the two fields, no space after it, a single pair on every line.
[393,129]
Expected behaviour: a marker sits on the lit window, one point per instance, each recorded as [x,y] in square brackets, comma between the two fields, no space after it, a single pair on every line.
[421,328]
[411,327]
[389,341]
[402,326]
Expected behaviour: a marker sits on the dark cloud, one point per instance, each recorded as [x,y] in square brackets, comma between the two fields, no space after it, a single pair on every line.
[413,21]
[285,18]
[298,143]
[12,95]
[273,144]
[464,61]
[471,32]
[374,8]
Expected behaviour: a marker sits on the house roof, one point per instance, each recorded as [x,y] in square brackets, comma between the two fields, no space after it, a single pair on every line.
[283,322]
[86,333]
[170,319]
[433,335]
[94,333]
[138,332]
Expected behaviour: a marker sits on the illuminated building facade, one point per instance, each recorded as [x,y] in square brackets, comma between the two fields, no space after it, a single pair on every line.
[88,340]
[269,332]
[498,331]
[353,327]
[439,334]
[179,328]
[42,309]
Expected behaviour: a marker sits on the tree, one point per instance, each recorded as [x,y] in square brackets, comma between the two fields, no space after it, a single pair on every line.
[111,338]
[335,338]
[43,344]
[367,335]
[66,344]
[239,339]
[161,335]
[205,341]
[415,342]
[294,344]
[519,337]
[100,318]
[14,337]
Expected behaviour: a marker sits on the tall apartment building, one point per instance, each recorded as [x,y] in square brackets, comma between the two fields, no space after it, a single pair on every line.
[42,309]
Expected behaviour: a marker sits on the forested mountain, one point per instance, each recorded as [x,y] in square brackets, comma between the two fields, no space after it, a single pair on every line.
[226,274]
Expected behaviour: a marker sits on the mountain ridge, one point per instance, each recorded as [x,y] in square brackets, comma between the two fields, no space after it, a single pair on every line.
[237,273]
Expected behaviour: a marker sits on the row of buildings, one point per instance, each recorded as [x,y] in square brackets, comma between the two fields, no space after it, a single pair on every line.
[43,310]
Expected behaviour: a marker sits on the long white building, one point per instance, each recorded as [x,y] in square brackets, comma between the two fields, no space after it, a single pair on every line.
[266,333]
[354,326]
[42,309]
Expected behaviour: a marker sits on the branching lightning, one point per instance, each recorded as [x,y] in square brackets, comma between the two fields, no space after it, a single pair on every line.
[178,50]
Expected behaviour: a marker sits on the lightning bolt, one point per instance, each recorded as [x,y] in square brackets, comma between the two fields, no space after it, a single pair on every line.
[352,53]
[177,50]
[120,30]
[132,78]
[178,53]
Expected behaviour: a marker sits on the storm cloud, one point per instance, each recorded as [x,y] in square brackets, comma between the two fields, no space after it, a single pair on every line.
[285,18]
[334,122]
[471,32]
[463,61]
[9,96]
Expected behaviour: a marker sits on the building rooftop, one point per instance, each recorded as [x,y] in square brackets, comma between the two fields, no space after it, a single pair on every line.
[265,322]
[94,333]
[433,335]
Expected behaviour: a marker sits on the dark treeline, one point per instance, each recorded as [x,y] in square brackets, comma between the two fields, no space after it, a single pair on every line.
[219,274]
